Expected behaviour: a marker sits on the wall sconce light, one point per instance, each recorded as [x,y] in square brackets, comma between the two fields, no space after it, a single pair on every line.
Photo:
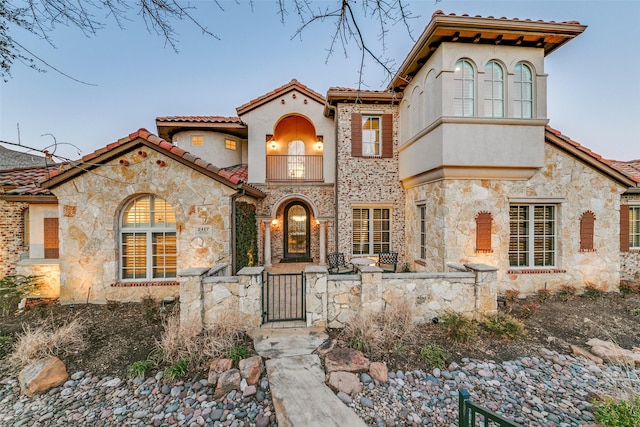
[319,146]
[273,145]
[317,222]
[274,222]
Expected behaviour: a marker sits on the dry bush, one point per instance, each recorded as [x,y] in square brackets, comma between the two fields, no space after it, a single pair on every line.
[512,295]
[47,340]
[186,343]
[374,332]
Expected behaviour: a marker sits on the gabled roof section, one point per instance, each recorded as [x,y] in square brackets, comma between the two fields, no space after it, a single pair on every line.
[282,90]
[336,95]
[478,30]
[170,125]
[607,167]
[143,138]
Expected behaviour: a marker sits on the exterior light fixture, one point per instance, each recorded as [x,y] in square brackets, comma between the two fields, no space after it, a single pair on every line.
[274,222]
[319,145]
[273,145]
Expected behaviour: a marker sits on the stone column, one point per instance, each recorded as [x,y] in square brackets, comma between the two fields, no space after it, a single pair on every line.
[267,243]
[486,289]
[371,295]
[323,240]
[250,295]
[191,300]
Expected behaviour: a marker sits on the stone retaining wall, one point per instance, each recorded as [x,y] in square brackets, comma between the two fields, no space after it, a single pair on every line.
[332,300]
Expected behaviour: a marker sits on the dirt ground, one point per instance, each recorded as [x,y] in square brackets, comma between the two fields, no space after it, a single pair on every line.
[118,334]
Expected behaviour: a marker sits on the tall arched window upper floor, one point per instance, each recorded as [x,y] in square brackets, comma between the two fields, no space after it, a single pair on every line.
[148,249]
[523,91]
[493,89]
[464,87]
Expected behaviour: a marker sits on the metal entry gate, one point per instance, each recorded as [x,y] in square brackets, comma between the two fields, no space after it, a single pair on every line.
[283,297]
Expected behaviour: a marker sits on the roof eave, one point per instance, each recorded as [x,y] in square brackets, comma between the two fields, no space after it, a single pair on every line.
[166,130]
[283,90]
[32,199]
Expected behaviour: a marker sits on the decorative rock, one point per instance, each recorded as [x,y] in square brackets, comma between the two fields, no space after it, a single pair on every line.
[345,398]
[579,351]
[345,382]
[614,353]
[228,381]
[251,369]
[346,359]
[220,365]
[379,371]
[43,375]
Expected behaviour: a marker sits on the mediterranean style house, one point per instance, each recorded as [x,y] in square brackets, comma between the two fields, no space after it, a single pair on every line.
[452,163]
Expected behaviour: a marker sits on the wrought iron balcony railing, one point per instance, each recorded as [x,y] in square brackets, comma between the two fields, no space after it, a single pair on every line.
[294,168]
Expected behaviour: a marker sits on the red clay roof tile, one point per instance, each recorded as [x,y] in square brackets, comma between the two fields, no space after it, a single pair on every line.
[199,119]
[293,84]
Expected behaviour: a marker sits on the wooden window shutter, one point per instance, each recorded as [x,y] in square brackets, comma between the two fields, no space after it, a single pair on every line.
[51,238]
[356,135]
[587,224]
[624,228]
[387,135]
[483,232]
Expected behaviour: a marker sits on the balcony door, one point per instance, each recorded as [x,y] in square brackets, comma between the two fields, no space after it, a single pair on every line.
[296,232]
[295,160]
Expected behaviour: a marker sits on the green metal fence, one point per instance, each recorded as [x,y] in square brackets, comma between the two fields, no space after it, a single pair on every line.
[471,415]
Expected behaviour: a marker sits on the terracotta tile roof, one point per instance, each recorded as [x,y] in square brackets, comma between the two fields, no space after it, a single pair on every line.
[293,84]
[199,119]
[235,173]
[503,18]
[232,179]
[607,166]
[23,181]
[631,168]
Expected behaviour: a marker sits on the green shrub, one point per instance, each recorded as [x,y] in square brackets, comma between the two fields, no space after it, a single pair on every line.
[504,325]
[139,368]
[237,353]
[635,311]
[434,355]
[624,413]
[359,342]
[177,370]
[591,291]
[14,288]
[459,328]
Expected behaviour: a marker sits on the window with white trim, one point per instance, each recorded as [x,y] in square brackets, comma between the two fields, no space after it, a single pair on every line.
[371,230]
[532,235]
[423,231]
[634,227]
[523,91]
[371,136]
[147,239]
[463,88]
[493,90]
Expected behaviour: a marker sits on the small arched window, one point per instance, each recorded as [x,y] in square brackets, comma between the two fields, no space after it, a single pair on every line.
[587,226]
[523,91]
[464,88]
[147,239]
[493,90]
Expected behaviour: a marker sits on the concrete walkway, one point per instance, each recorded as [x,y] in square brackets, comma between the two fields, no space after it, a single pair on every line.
[296,379]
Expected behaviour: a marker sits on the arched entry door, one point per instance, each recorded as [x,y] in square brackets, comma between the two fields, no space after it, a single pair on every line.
[297,232]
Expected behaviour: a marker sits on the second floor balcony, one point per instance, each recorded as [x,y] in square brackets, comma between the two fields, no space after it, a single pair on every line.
[294,168]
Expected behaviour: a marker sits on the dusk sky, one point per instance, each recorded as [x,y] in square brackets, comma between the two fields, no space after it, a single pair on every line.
[134,77]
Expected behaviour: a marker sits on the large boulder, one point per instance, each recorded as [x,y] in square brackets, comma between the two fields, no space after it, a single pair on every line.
[345,382]
[43,375]
[228,381]
[347,360]
[614,353]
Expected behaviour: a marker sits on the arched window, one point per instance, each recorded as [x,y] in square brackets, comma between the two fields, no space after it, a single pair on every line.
[464,89]
[147,239]
[523,91]
[493,90]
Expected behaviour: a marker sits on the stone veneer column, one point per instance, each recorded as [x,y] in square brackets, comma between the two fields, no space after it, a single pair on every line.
[191,299]
[323,240]
[250,293]
[371,295]
[486,289]
[316,296]
[267,243]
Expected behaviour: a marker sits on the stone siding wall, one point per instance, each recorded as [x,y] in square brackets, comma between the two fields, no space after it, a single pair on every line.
[319,198]
[11,232]
[90,207]
[630,261]
[49,273]
[576,187]
[368,181]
